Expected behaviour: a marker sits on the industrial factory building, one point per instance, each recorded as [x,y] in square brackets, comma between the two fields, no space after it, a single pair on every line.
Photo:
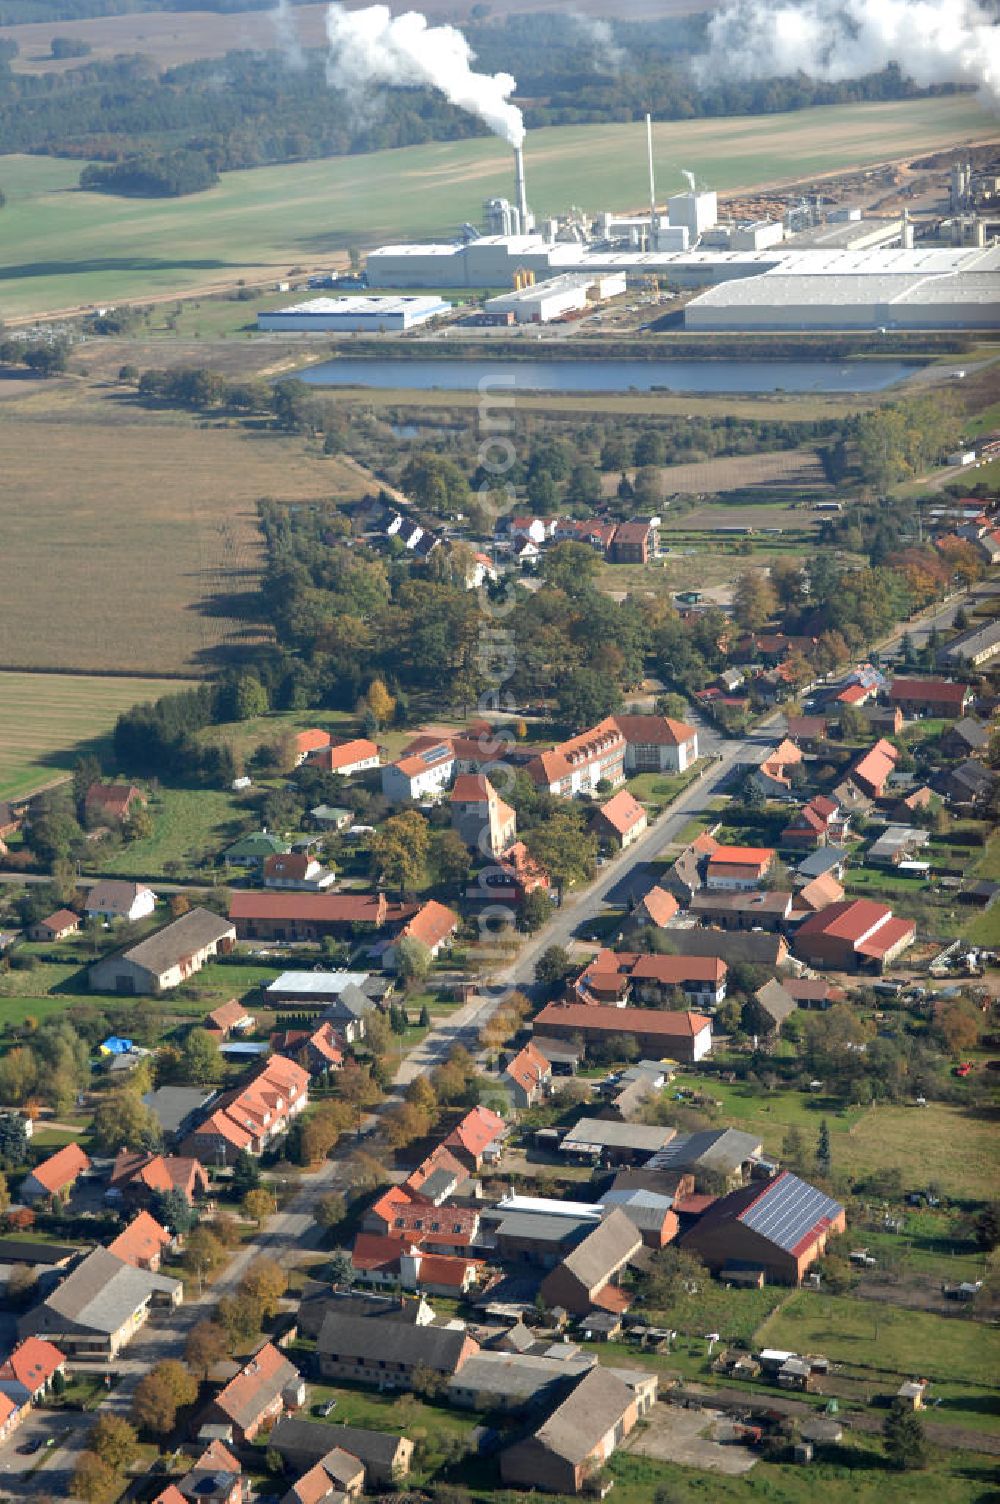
[778,288]
[365,315]
[901,289]
[551,299]
[495,260]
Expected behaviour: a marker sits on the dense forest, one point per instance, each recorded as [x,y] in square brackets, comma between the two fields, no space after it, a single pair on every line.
[247,110]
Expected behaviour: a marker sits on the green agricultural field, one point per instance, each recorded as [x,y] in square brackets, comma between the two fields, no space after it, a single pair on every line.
[66,249]
[48,720]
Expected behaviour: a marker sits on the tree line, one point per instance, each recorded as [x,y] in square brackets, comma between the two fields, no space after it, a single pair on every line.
[147,176]
[266,112]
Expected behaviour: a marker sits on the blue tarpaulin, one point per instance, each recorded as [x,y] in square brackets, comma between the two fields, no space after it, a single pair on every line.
[115,1046]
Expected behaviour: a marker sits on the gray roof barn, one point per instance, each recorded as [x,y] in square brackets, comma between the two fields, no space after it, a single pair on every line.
[303,1443]
[593,1135]
[720,1151]
[610,1245]
[434,1347]
[100,1295]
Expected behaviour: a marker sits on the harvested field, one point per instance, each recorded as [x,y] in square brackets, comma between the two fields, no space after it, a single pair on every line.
[140,538]
[793,470]
[64,248]
[48,720]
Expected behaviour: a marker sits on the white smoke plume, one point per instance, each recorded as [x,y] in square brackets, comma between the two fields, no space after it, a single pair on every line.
[931,41]
[689,178]
[606,52]
[287,36]
[371,47]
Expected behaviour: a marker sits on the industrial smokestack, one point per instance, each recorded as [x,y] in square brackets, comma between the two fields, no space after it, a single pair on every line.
[652,183]
[520,189]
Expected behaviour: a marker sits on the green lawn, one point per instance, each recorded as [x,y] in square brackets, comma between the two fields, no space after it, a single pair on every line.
[854,1474]
[957,1150]
[48,720]
[189,825]
[65,248]
[885,1340]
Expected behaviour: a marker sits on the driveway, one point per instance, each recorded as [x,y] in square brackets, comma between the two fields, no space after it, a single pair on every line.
[672,1434]
[49,1470]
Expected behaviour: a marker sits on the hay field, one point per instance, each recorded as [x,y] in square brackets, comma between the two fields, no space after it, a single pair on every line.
[64,249]
[132,545]
[784,469]
[48,720]
[170,37]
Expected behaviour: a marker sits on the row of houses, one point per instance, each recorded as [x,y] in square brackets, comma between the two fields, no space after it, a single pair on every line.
[633,542]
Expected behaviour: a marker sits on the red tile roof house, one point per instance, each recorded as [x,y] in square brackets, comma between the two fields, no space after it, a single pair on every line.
[933,697]
[437,1177]
[336,1477]
[658,907]
[777,766]
[346,758]
[854,935]
[215,1478]
[819,894]
[780,1227]
[56,927]
[252,1117]
[297,870]
[657,743]
[816,824]
[137,1176]
[264,1388]
[528,1076]
[577,766]
[402,1213]
[55,1176]
[515,873]
[483,820]
[612,977]
[26,1377]
[634,542]
[111,801]
[393,1261]
[305,916]
[230,1018]
[320,1050]
[621,821]
[142,1243]
[309,741]
[477,1139]
[423,772]
[871,772]
[686,1037]
[434,925]
[735,867]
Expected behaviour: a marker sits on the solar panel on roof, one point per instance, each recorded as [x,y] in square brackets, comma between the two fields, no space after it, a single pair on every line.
[435,754]
[788,1210]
